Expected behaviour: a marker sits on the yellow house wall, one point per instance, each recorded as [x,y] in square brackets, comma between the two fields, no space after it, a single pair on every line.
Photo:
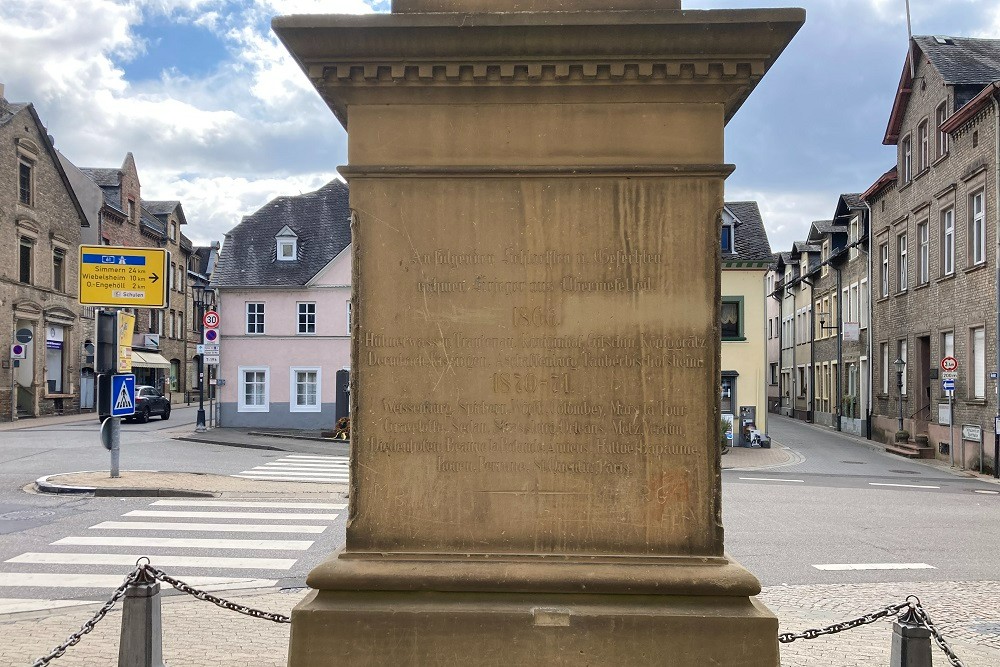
[748,357]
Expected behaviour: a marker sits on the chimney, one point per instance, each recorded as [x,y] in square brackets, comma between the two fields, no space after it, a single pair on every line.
[1,91]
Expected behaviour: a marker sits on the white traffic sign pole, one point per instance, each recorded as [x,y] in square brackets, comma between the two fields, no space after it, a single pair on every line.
[951,425]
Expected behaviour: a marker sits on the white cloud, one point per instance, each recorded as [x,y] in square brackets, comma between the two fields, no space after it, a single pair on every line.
[787,215]
[223,141]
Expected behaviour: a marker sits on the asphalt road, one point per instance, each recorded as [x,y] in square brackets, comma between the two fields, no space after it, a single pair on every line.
[280,551]
[838,504]
[841,503]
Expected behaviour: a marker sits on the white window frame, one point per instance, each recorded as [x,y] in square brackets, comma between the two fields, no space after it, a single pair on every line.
[948,241]
[924,145]
[906,160]
[854,304]
[884,256]
[885,368]
[863,306]
[242,404]
[299,315]
[923,253]
[901,348]
[287,243]
[263,318]
[977,228]
[977,363]
[940,116]
[293,394]
[901,262]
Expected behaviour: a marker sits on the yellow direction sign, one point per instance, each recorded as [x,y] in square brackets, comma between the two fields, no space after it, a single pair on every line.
[126,327]
[129,277]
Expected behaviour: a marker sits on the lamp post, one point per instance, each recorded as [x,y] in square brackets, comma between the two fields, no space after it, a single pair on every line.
[199,302]
[900,364]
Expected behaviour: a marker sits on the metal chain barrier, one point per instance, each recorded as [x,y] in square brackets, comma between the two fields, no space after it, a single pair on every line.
[789,637]
[75,638]
[914,612]
[925,620]
[220,602]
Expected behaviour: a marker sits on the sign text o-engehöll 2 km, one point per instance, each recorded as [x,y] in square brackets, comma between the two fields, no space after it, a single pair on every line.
[123,277]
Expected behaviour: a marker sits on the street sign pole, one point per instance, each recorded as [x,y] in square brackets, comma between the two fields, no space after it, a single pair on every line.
[951,425]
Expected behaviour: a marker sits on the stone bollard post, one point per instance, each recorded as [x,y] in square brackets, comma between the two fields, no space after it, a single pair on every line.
[911,645]
[142,632]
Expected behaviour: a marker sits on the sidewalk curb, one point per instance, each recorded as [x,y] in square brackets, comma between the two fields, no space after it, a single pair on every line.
[292,436]
[227,443]
[876,446]
[45,485]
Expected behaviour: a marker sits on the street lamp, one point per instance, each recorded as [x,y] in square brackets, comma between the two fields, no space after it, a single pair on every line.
[199,302]
[900,365]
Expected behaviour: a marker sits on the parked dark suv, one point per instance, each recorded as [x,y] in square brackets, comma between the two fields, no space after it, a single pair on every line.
[148,402]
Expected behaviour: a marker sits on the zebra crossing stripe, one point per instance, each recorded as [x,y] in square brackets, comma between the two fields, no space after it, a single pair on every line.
[216,562]
[184,543]
[207,527]
[57,580]
[18,605]
[167,514]
[272,478]
[255,504]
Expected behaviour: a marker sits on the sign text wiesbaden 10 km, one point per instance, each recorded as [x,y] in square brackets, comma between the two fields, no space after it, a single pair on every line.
[123,277]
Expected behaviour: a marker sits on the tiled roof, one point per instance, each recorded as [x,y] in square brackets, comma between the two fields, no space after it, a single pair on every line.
[962,60]
[322,222]
[853,201]
[103,177]
[9,109]
[749,237]
[160,207]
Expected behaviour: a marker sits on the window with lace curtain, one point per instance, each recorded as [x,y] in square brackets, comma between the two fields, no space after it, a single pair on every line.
[732,318]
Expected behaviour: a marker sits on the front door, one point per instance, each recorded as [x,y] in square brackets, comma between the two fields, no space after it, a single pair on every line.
[922,406]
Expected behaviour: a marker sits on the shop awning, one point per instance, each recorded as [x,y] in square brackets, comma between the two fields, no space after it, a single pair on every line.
[149,360]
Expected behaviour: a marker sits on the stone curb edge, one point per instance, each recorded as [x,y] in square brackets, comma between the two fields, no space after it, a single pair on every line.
[224,443]
[45,485]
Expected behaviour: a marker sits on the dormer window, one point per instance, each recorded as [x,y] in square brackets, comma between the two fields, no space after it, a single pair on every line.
[728,231]
[287,245]
[727,238]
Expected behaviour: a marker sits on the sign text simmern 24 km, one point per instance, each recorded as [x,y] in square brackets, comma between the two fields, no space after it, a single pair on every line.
[123,277]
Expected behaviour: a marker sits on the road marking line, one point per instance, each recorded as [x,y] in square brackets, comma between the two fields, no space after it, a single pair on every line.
[768,479]
[185,543]
[840,567]
[249,504]
[294,471]
[315,458]
[904,486]
[232,515]
[176,561]
[207,527]
[318,480]
[992,493]
[17,605]
[56,580]
[301,466]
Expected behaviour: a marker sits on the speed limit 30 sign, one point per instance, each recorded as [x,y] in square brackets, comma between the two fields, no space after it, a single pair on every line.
[211,320]
[949,364]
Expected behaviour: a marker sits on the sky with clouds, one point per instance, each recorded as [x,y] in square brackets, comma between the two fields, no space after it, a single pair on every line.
[218,115]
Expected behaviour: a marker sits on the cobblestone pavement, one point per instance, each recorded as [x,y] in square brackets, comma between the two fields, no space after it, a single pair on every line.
[196,634]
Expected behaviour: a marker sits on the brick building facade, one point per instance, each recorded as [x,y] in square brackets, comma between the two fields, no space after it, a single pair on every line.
[934,246]
[40,223]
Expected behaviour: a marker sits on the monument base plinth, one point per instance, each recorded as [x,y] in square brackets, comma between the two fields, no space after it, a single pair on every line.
[429,612]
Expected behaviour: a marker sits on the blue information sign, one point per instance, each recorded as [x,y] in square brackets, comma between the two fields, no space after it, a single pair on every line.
[948,385]
[122,395]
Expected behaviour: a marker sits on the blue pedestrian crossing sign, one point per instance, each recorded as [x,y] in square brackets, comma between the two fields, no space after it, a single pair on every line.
[122,395]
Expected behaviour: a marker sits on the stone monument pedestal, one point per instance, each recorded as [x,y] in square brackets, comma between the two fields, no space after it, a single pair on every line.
[537,197]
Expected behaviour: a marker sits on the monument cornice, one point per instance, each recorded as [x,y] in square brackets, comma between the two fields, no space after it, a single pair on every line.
[732,48]
[356,171]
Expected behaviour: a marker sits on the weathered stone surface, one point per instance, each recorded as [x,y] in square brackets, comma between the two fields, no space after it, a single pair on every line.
[535,460]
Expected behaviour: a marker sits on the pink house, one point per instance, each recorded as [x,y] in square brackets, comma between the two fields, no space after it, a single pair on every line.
[283,287]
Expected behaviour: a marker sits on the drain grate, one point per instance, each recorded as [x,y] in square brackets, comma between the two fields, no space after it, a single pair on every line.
[905,472]
[857,463]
